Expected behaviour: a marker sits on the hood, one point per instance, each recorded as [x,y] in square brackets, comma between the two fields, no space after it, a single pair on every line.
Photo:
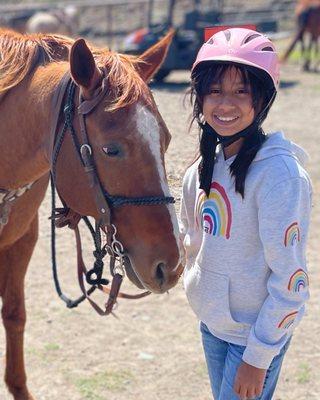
[276,144]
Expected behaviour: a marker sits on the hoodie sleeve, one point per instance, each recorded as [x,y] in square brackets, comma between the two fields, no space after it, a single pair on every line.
[283,226]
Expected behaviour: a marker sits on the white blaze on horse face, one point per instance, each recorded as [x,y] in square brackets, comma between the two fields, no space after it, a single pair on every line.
[148,127]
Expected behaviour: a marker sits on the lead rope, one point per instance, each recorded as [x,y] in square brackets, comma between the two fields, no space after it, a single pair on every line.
[94,275]
[69,302]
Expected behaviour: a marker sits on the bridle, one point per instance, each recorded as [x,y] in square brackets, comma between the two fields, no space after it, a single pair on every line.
[104,201]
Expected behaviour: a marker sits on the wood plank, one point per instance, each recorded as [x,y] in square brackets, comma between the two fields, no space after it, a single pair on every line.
[78,4]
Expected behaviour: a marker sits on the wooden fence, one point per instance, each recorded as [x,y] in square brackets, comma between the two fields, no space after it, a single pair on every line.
[111,18]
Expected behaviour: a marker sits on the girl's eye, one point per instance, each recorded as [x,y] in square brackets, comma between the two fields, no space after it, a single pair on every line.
[214,91]
[111,151]
[242,91]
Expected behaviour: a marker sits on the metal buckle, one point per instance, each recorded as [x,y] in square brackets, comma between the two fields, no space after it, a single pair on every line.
[85,146]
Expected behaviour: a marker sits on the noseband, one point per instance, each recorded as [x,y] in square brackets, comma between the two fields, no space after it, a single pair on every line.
[104,201]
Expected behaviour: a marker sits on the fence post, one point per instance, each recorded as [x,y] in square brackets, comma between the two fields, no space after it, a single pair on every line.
[109,22]
[220,5]
[150,12]
[170,12]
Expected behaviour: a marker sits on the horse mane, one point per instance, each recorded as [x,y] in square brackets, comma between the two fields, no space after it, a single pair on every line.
[20,54]
[126,85]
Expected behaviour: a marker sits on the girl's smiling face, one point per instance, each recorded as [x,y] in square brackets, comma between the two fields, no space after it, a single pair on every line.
[228,106]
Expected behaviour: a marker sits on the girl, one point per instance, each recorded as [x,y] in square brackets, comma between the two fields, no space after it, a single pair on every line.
[244,218]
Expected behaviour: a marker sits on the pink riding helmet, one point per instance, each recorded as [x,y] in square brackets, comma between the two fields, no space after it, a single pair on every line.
[243,46]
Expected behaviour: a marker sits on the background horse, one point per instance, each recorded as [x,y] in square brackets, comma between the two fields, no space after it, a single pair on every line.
[63,21]
[127,139]
[308,26]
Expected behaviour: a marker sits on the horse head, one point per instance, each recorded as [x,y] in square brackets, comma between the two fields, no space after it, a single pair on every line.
[127,140]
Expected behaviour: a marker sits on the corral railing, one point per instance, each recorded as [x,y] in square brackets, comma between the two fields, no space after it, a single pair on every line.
[112,19]
[281,12]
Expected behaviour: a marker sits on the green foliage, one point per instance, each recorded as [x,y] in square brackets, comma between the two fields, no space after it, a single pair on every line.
[94,387]
[304,373]
[295,55]
[52,347]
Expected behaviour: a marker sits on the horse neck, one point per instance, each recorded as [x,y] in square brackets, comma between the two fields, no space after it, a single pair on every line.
[27,118]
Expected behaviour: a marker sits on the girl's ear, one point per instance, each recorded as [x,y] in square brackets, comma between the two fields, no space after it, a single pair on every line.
[83,68]
[151,60]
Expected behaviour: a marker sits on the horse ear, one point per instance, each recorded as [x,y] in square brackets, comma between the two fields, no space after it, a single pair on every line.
[83,67]
[151,60]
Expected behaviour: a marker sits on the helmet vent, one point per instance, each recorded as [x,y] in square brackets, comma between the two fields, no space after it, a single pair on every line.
[267,49]
[251,37]
[227,34]
[210,41]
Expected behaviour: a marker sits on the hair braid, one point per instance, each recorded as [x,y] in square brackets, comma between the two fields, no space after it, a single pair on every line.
[208,144]
[240,166]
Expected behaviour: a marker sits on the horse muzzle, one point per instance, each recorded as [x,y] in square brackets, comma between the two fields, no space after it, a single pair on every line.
[162,278]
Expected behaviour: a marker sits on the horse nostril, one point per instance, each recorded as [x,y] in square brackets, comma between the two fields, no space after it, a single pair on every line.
[161,274]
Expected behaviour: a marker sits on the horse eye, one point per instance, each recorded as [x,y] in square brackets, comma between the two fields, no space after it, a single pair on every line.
[111,151]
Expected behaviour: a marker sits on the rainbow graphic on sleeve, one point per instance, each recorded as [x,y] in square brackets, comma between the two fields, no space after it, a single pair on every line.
[215,211]
[298,281]
[292,235]
[288,320]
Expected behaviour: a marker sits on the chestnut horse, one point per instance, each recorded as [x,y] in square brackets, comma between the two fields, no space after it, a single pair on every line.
[127,138]
[308,25]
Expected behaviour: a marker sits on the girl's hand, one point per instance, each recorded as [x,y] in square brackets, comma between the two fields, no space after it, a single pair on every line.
[249,381]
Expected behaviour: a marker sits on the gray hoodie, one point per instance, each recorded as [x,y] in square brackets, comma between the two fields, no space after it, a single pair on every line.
[245,274]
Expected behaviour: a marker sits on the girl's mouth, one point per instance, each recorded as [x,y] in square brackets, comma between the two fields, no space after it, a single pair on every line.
[225,121]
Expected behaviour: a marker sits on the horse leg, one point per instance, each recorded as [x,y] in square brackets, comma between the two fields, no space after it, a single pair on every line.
[306,66]
[316,55]
[303,48]
[297,38]
[14,261]
[303,51]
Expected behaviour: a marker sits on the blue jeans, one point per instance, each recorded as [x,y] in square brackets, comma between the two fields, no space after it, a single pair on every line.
[223,360]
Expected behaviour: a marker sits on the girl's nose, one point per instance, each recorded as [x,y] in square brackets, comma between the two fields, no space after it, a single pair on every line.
[226,102]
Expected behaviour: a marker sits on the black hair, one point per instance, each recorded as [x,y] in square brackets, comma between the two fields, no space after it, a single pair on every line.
[263,94]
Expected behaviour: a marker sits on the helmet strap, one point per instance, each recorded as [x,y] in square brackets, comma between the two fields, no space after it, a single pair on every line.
[226,141]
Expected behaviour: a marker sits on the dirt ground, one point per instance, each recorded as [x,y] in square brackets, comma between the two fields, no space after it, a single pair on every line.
[152,351]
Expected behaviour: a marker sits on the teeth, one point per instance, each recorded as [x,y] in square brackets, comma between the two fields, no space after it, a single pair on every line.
[227,119]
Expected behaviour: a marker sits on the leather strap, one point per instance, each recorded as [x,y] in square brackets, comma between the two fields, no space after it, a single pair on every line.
[56,107]
[86,106]
[87,159]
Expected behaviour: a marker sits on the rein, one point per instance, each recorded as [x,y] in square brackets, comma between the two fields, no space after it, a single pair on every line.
[105,202]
